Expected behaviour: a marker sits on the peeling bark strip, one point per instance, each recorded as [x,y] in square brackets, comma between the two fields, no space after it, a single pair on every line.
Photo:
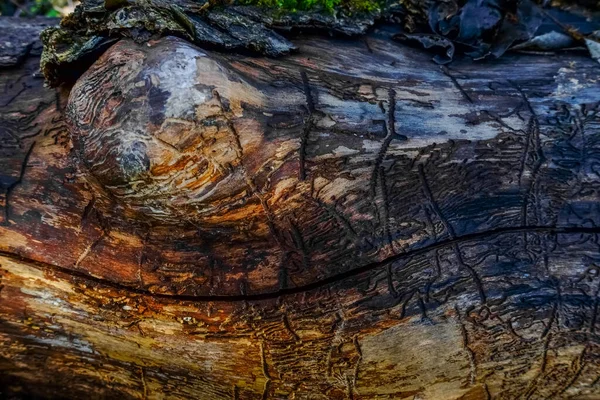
[164,246]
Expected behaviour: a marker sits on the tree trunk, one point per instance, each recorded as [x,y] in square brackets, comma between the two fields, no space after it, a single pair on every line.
[348,222]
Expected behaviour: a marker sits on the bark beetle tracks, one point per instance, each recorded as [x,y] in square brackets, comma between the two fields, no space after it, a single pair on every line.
[454,207]
[265,370]
[391,134]
[383,178]
[344,330]
[470,354]
[532,141]
[451,233]
[308,125]
[378,174]
[24,88]
[287,325]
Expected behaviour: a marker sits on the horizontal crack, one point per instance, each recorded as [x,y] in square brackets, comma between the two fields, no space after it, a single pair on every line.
[310,286]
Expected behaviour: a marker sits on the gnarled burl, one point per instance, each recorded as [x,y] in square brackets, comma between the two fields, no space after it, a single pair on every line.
[349,222]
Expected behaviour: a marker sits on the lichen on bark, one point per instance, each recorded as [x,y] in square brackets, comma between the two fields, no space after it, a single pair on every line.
[246,28]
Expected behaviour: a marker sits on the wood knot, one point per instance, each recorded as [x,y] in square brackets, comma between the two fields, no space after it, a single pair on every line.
[154,127]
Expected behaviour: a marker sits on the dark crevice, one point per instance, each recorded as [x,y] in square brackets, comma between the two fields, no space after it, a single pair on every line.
[5,219]
[310,286]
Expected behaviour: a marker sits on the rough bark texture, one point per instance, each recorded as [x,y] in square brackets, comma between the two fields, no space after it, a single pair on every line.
[350,222]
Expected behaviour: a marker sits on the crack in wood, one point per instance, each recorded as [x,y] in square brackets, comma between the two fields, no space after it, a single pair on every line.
[580,363]
[456,84]
[486,389]
[349,388]
[14,97]
[167,144]
[142,259]
[553,315]
[390,282]
[545,353]
[300,244]
[438,273]
[533,131]
[8,191]
[288,327]
[87,211]
[474,275]
[405,302]
[310,286]
[357,363]
[86,252]
[422,307]
[144,384]
[433,203]
[231,127]
[498,118]
[1,277]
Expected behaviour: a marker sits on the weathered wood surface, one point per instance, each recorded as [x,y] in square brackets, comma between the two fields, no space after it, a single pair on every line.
[348,222]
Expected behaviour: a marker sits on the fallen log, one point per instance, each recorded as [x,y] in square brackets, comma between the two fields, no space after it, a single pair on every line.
[350,221]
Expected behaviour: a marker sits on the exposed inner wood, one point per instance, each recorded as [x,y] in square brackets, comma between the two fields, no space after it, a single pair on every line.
[348,222]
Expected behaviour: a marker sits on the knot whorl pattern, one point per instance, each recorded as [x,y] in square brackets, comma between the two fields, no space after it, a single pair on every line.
[152,124]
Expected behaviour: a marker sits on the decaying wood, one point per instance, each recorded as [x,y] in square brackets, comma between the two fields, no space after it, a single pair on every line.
[349,222]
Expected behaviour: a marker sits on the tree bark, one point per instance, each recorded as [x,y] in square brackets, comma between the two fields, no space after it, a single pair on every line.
[350,222]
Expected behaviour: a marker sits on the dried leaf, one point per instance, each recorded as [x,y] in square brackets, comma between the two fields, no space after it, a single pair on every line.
[437,43]
[547,42]
[593,44]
